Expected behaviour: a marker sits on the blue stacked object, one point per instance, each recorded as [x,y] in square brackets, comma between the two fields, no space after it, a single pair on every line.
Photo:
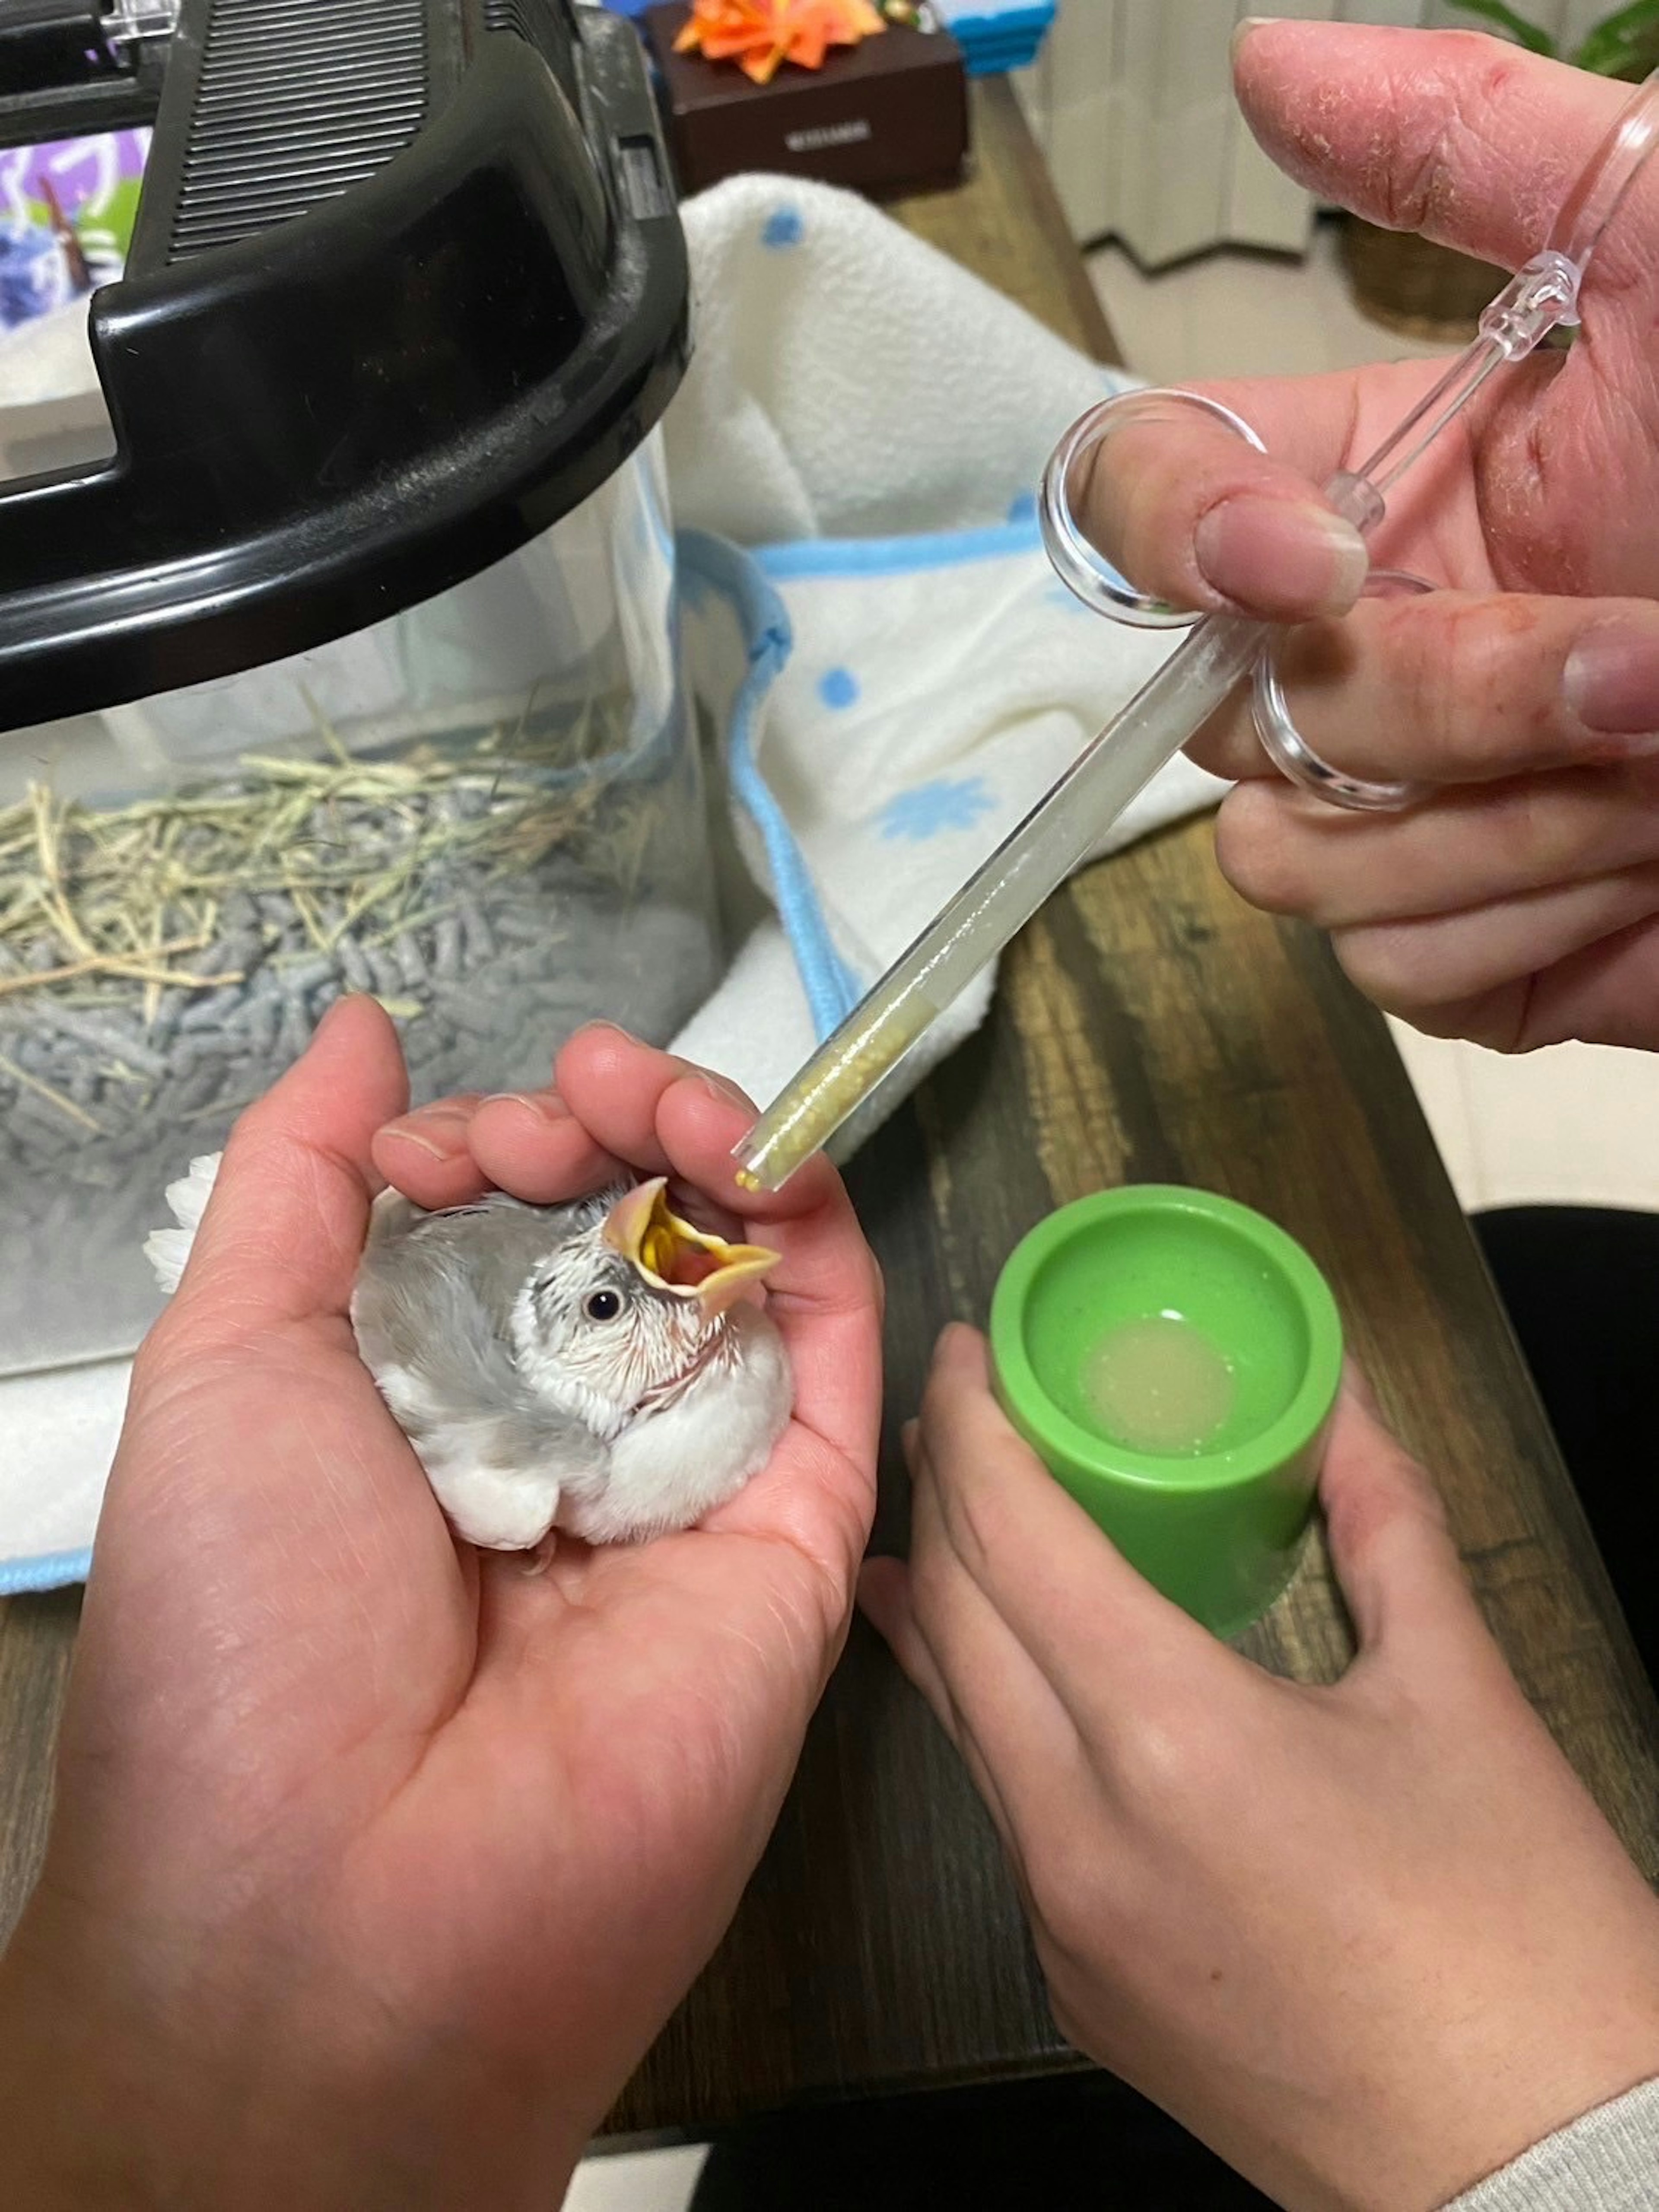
[996,35]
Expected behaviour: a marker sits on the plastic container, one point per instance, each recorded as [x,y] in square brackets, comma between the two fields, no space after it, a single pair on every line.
[1217,1524]
[426,398]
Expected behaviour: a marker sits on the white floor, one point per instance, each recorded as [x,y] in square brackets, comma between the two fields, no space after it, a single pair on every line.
[637,2181]
[1576,1124]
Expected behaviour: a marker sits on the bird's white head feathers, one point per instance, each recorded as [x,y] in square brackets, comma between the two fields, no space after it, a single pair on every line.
[628,1308]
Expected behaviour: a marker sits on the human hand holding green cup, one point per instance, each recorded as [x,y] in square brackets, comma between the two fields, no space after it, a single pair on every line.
[1173,1359]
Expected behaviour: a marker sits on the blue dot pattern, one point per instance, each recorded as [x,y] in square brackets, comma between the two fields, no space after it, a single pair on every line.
[838,687]
[1022,508]
[783,228]
[931,808]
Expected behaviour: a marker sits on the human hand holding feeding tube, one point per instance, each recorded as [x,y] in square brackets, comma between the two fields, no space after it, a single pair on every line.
[1295,551]
[376,1864]
[1518,902]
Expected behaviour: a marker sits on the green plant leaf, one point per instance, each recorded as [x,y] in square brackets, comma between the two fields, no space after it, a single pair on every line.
[1536,41]
[1621,41]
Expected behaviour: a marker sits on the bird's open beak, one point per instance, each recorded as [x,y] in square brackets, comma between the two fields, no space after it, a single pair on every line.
[672,1255]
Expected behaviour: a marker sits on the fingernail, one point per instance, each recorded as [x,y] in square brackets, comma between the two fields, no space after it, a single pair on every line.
[723,1092]
[1283,556]
[1243,29]
[1611,681]
[437,1131]
[422,1144]
[543,1106]
[615,1030]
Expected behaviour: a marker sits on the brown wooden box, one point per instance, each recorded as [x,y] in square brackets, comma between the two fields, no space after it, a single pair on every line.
[888,115]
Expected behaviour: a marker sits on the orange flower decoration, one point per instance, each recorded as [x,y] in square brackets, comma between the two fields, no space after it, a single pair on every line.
[758,34]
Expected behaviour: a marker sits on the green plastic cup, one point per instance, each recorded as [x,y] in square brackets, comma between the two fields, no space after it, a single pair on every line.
[1217,1527]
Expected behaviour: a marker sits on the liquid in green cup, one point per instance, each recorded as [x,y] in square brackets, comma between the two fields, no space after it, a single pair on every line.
[1213,1510]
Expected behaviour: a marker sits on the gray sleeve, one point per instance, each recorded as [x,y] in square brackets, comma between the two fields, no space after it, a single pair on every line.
[1607,2161]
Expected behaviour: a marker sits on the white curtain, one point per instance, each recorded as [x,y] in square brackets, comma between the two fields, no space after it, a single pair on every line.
[1131,104]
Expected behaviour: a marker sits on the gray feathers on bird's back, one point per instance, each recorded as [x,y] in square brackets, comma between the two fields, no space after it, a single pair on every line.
[433,1311]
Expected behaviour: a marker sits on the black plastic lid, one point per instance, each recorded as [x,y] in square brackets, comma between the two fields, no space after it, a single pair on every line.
[408,285]
[71,69]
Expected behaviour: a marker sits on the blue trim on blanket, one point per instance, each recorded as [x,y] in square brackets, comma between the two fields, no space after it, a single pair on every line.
[919,550]
[831,988]
[896,556]
[48,1570]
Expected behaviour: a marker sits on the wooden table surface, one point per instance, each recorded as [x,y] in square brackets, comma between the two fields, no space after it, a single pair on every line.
[1148,1027]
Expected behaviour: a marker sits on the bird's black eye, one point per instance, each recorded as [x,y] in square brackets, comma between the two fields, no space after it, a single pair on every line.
[602,1305]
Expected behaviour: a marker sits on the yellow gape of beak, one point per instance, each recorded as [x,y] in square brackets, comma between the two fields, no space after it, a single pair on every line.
[671,1255]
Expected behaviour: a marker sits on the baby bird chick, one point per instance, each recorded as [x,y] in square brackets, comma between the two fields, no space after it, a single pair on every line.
[593,1368]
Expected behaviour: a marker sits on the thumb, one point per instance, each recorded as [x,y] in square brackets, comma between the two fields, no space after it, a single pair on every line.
[284,1230]
[1457,135]
[1391,1547]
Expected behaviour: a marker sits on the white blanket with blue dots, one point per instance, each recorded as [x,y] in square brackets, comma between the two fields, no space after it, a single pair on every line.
[853,460]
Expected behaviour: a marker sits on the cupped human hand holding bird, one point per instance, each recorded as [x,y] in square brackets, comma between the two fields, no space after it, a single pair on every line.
[596,1367]
[376,1864]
